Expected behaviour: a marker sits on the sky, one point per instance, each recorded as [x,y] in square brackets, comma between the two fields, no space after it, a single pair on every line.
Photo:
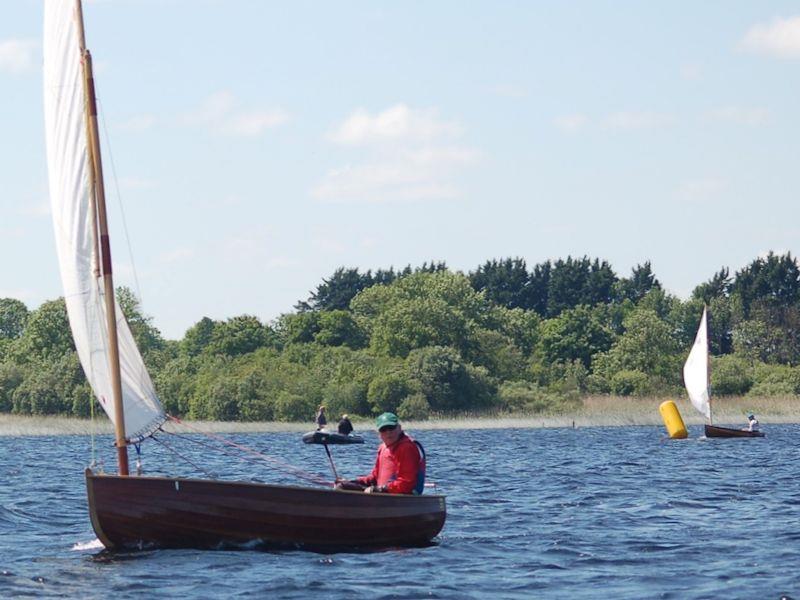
[253,147]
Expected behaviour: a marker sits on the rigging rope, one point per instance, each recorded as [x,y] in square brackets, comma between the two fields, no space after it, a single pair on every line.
[179,455]
[271,461]
[101,112]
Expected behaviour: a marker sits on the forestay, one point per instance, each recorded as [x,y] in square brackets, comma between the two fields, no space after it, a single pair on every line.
[75,229]
[695,370]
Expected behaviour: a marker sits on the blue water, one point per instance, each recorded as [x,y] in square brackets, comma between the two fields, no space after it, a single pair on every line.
[532,513]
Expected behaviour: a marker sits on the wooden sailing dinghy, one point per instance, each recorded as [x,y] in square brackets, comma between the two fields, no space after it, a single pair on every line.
[697,379]
[132,510]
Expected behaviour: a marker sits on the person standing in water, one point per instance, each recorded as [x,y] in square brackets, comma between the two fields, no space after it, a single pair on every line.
[320,418]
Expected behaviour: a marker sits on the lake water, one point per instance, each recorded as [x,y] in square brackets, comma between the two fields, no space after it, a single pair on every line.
[532,513]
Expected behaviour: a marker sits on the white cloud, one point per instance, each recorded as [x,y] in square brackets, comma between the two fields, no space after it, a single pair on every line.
[737,114]
[779,38]
[219,113]
[571,123]
[414,158]
[17,56]
[383,182]
[632,120]
[398,123]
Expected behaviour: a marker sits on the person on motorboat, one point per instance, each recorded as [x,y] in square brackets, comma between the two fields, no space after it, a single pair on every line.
[345,426]
[399,465]
[752,423]
[320,418]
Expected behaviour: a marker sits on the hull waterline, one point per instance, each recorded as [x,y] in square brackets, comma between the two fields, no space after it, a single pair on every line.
[134,512]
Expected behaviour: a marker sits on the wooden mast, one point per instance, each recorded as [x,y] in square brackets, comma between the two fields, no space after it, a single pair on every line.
[101,239]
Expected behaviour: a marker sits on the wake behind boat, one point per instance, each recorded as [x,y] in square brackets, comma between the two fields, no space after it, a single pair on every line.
[128,511]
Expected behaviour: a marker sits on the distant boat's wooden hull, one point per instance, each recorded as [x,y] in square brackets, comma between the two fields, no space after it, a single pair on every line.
[132,512]
[728,432]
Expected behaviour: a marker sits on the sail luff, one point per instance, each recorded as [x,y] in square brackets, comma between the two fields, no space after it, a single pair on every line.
[75,221]
[696,372]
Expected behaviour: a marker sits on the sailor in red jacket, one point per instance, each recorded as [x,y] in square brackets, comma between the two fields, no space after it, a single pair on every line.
[399,466]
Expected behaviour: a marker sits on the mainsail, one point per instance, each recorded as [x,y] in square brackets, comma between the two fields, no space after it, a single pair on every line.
[75,225]
[695,370]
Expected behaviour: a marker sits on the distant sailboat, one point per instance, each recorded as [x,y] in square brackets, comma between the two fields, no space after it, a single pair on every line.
[697,379]
[131,510]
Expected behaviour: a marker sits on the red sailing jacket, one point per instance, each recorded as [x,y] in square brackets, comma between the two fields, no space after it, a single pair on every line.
[401,467]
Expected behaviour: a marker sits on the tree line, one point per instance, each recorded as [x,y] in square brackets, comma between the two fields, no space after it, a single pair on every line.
[432,341]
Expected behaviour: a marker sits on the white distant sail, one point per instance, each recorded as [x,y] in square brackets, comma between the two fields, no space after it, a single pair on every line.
[695,371]
[67,161]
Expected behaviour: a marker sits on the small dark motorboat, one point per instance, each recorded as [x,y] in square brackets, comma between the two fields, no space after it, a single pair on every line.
[330,437]
[716,431]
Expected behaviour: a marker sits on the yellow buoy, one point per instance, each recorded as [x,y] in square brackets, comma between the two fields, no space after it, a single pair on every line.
[672,420]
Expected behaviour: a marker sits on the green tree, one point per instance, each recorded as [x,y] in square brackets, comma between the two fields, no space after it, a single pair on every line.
[773,281]
[147,337]
[576,334]
[298,328]
[47,333]
[716,287]
[339,328]
[771,335]
[336,292]
[13,317]
[240,335]
[446,381]
[579,281]
[639,284]
[198,337]
[420,310]
[10,378]
[386,392]
[647,346]
[504,282]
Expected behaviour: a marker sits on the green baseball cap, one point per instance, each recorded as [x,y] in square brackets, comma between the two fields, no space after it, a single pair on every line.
[385,419]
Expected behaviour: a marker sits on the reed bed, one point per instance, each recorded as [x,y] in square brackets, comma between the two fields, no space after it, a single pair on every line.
[593,411]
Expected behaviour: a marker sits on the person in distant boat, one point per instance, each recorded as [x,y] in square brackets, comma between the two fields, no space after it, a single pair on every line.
[320,418]
[752,423]
[399,466]
[345,426]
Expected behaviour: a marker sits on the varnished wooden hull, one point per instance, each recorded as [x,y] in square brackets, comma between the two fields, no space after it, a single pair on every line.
[134,512]
[728,432]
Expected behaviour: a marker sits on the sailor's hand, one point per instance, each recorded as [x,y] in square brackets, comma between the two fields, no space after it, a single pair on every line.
[375,489]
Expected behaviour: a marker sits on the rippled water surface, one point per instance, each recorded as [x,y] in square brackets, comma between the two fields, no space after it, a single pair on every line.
[544,513]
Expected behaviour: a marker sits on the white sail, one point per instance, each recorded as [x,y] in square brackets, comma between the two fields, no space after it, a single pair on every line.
[73,220]
[695,370]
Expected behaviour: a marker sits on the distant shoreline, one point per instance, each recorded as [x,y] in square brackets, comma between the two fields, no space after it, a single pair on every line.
[595,411]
